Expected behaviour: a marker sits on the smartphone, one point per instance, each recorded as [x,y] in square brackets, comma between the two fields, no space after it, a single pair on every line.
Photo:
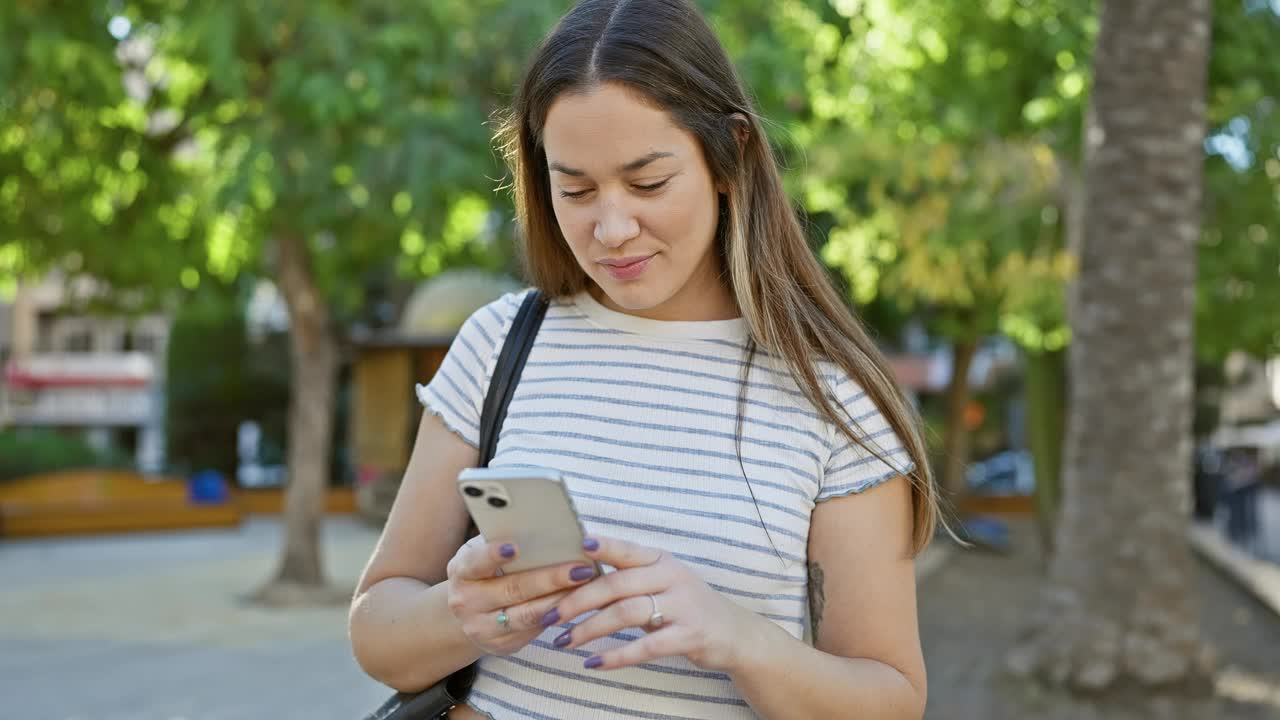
[528,507]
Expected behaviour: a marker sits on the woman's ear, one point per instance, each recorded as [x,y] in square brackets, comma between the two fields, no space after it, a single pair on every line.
[741,128]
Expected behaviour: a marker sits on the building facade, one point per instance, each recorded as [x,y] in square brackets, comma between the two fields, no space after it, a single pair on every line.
[99,376]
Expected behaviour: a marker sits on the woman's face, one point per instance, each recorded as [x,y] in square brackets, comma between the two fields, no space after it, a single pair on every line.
[636,202]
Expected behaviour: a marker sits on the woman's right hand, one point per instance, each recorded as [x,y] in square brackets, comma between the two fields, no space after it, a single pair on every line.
[478,594]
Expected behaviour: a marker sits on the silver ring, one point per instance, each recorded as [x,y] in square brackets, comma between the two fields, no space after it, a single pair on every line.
[503,620]
[656,620]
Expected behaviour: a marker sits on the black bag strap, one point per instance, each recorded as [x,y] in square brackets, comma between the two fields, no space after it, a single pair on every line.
[506,375]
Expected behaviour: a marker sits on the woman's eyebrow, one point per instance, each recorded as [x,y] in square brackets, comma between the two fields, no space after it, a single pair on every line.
[641,162]
[625,168]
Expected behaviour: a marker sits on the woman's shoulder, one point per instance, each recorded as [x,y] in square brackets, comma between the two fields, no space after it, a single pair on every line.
[496,315]
[505,306]
[850,398]
[841,385]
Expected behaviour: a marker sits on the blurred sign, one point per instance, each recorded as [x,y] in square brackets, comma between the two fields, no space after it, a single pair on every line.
[80,389]
[46,370]
[79,406]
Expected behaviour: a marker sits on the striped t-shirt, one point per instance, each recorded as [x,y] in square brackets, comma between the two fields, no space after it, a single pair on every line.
[641,417]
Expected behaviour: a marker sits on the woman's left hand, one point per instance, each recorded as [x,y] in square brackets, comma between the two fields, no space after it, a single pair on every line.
[697,621]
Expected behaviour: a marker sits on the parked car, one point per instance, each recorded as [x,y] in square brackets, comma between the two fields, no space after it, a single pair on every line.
[1006,473]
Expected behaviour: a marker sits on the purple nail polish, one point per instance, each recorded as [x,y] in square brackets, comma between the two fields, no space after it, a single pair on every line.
[581,573]
[551,618]
[563,639]
[594,661]
[507,551]
[590,545]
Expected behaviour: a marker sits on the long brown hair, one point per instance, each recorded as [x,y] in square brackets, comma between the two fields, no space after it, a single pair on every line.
[665,52]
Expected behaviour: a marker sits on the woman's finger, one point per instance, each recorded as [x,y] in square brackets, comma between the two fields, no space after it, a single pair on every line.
[630,612]
[511,590]
[480,560]
[609,589]
[526,616]
[669,642]
[620,553]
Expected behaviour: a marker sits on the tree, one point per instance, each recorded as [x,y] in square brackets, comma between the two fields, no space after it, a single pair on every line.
[894,85]
[1119,606]
[87,180]
[351,138]
[1237,288]
[314,142]
[347,136]
[154,142]
[944,164]
[960,239]
[344,137]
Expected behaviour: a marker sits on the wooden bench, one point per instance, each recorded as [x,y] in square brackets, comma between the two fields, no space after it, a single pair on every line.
[108,501]
[270,501]
[104,501]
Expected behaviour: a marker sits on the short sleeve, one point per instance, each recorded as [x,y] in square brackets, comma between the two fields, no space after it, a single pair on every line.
[851,468]
[456,392]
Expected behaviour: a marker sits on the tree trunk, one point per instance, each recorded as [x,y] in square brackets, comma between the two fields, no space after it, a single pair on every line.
[1119,608]
[955,436]
[313,361]
[1045,407]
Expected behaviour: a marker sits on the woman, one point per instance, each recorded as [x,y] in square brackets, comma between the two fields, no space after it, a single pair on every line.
[730,435]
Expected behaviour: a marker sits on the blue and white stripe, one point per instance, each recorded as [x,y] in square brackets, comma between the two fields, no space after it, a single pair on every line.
[643,424]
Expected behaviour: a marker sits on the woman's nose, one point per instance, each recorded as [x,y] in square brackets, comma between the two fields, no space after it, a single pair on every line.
[615,226]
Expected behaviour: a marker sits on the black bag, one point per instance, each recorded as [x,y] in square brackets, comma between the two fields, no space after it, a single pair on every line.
[436,701]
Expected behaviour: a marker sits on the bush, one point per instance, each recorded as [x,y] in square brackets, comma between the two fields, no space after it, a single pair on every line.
[31,451]
[205,383]
[216,379]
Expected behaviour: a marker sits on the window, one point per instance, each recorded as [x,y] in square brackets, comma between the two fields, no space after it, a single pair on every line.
[79,341]
[145,343]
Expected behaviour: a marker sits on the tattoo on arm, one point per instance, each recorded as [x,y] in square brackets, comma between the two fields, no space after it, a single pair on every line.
[817,597]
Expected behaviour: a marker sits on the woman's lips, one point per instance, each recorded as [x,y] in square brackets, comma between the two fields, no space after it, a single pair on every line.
[627,268]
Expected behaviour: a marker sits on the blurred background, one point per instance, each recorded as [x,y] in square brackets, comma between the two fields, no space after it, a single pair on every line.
[232,237]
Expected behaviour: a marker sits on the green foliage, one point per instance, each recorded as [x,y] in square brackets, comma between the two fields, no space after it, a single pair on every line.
[977,83]
[25,452]
[364,127]
[934,141]
[936,151]
[216,379]
[86,181]
[1238,288]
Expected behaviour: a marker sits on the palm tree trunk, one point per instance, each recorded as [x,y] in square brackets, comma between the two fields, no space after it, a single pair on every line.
[1119,608]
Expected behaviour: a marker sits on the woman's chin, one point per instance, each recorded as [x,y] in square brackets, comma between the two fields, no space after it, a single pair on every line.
[633,296]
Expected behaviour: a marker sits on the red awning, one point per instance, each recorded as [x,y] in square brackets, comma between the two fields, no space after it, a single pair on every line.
[18,377]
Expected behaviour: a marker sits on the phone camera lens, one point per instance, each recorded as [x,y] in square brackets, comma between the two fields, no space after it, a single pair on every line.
[473,491]
[497,502]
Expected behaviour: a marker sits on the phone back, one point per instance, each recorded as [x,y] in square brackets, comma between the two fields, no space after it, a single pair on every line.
[528,507]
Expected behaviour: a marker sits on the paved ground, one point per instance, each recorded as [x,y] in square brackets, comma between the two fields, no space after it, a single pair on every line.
[152,628]
[973,609]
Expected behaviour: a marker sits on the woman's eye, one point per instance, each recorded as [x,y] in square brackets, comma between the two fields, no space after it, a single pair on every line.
[573,195]
[651,188]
